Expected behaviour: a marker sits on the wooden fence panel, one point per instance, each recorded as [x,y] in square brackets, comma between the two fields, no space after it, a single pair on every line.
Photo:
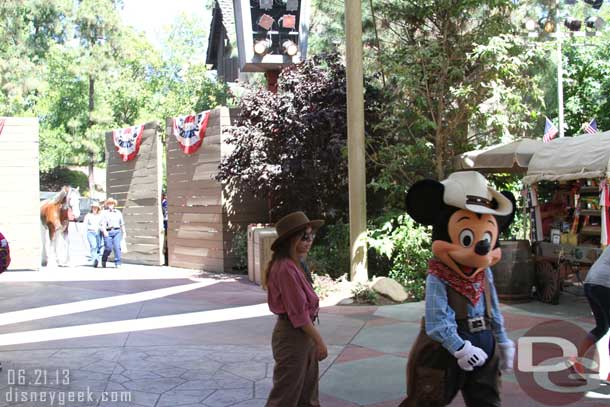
[136,185]
[20,191]
[202,218]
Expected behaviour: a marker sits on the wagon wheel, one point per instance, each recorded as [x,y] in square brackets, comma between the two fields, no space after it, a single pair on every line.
[547,281]
[565,269]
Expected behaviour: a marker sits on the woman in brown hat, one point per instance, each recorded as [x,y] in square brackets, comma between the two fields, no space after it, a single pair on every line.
[93,222]
[296,343]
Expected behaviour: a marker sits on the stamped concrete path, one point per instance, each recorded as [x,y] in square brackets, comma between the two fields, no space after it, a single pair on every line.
[152,336]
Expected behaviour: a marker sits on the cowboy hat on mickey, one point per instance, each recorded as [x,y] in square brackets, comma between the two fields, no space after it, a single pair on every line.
[467,216]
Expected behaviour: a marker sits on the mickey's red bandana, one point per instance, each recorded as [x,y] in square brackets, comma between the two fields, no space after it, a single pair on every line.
[469,289]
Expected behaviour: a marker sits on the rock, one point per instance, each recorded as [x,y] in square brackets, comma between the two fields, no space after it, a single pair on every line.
[346,301]
[390,288]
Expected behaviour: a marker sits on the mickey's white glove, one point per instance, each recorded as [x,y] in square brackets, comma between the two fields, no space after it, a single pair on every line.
[470,356]
[507,355]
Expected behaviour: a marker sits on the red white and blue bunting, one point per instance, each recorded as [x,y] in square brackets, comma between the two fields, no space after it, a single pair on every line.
[190,131]
[127,141]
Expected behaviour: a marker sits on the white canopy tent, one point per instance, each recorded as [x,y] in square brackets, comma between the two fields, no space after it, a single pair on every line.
[571,158]
[503,158]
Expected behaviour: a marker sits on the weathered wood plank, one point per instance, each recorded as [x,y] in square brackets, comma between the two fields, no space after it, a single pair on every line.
[136,185]
[19,180]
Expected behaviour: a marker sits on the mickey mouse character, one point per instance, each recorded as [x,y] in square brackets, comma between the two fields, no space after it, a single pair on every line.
[462,344]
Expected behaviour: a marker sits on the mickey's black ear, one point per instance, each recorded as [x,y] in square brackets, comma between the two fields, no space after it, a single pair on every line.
[425,201]
[505,221]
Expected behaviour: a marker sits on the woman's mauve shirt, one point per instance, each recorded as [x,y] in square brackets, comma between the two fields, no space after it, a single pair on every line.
[289,292]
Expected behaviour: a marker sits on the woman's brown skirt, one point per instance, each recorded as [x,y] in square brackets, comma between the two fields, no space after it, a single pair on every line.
[295,375]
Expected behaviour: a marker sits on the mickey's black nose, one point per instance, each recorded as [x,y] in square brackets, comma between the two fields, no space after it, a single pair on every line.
[482,247]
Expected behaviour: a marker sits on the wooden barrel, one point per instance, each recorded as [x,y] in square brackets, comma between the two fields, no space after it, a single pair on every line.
[514,274]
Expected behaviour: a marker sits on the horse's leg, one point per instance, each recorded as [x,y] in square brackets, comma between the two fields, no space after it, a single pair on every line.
[61,248]
[67,246]
[45,243]
[56,245]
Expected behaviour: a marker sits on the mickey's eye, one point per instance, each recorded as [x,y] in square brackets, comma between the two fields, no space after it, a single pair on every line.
[466,237]
[488,236]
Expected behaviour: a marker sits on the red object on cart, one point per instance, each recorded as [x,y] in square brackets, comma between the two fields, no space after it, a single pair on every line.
[5,254]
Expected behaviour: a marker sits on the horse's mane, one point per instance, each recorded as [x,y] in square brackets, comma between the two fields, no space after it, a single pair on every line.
[61,195]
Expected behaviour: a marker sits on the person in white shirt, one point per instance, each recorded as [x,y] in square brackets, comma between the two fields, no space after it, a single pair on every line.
[113,229]
[94,235]
[597,291]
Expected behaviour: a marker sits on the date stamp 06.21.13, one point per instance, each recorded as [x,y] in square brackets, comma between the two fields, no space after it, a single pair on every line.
[38,377]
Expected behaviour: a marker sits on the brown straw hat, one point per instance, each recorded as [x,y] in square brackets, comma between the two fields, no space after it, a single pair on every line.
[292,223]
[111,201]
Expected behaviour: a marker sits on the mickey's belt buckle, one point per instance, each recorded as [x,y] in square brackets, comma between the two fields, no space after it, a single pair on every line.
[476,324]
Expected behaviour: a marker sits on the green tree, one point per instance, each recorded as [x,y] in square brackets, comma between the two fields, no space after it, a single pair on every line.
[73,65]
[587,86]
[183,84]
[28,29]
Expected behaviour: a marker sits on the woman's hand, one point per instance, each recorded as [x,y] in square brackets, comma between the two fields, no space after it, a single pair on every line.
[322,350]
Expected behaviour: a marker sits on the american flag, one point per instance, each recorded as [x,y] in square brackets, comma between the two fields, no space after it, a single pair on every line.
[591,127]
[550,131]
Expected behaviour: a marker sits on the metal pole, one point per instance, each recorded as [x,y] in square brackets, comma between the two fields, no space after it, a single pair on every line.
[560,85]
[559,74]
[355,140]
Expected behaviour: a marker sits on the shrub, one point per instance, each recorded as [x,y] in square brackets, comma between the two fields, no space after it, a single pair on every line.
[364,294]
[240,251]
[290,146]
[407,246]
[56,178]
[330,252]
[323,285]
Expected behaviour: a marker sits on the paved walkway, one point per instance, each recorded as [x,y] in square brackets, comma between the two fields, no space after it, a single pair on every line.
[152,336]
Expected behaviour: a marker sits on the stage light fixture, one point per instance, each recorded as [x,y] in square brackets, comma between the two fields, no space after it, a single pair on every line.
[573,24]
[530,25]
[289,21]
[547,24]
[596,4]
[266,21]
[290,48]
[261,47]
[292,5]
[265,4]
[594,23]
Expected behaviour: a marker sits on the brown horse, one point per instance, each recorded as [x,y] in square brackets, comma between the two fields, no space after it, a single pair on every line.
[55,216]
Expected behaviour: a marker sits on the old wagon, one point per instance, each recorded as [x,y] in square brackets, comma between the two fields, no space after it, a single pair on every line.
[568,202]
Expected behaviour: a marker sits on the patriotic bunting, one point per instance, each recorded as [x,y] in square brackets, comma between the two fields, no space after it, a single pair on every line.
[127,141]
[190,131]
